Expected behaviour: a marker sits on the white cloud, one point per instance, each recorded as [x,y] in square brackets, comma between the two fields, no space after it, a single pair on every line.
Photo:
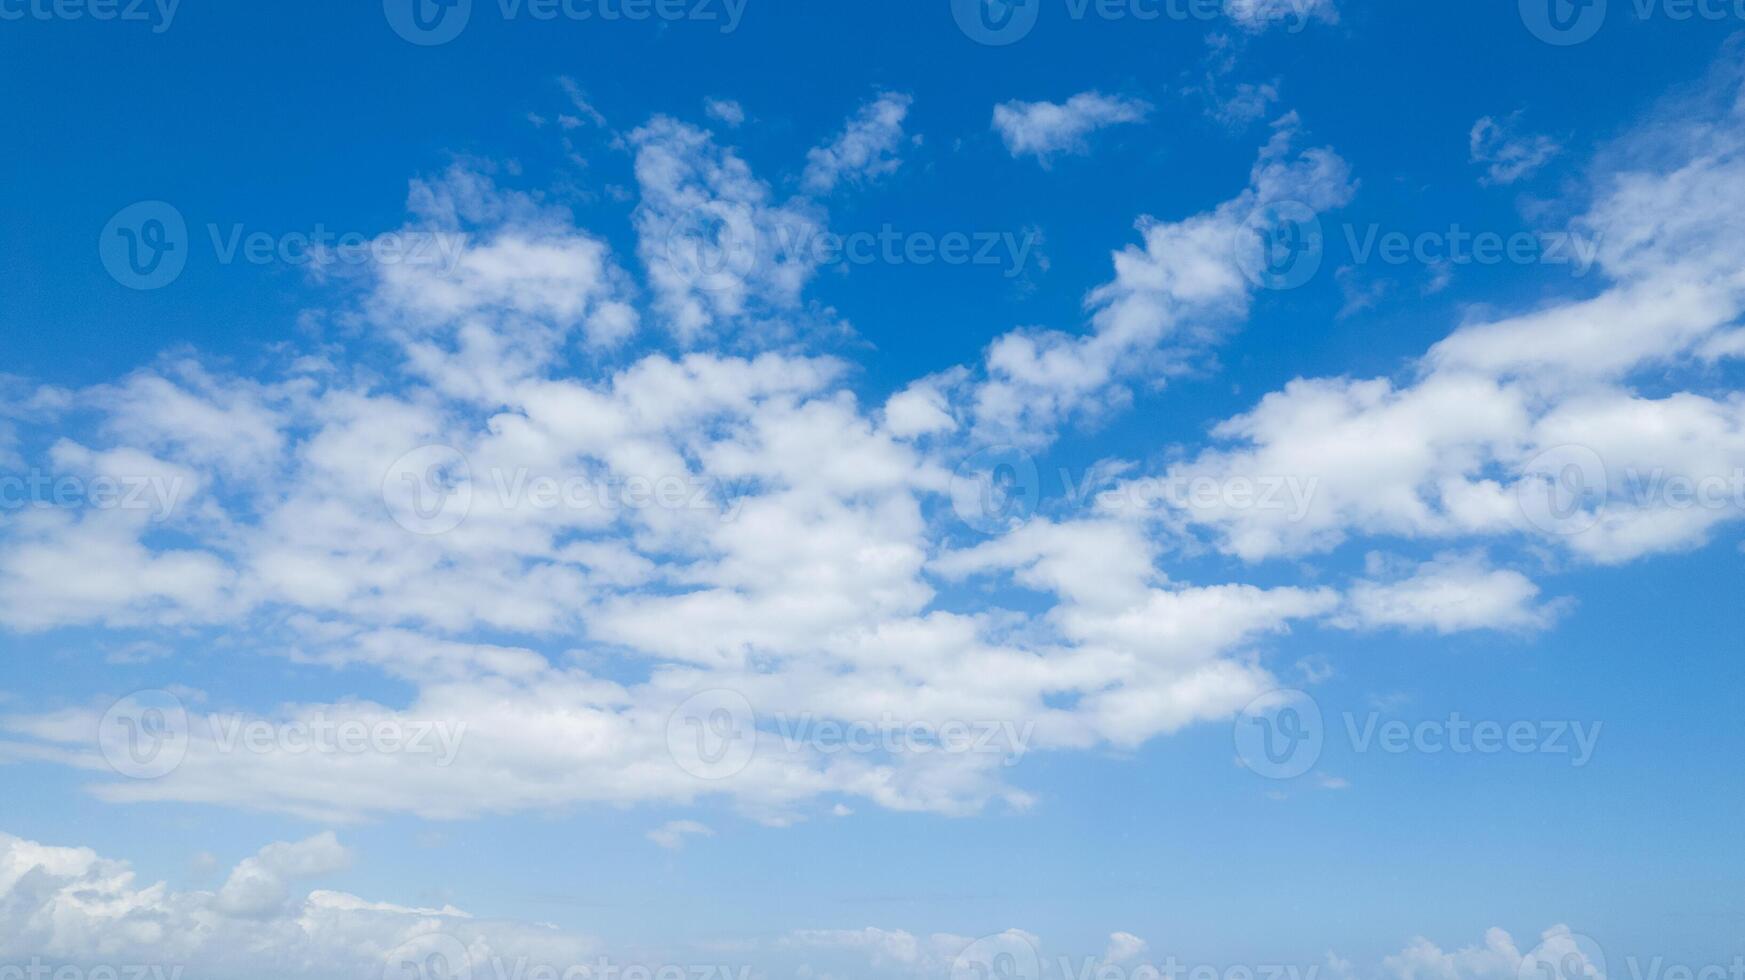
[716,246]
[726,111]
[671,835]
[803,564]
[1454,451]
[1451,594]
[71,904]
[1170,298]
[1046,129]
[1294,15]
[1509,156]
[867,148]
[260,885]
[1123,947]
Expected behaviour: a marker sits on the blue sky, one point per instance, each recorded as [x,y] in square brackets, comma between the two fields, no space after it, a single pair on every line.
[1123,487]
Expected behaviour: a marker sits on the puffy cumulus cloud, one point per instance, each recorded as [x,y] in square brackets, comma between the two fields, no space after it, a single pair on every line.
[1170,297]
[1117,617]
[866,148]
[1556,423]
[715,244]
[495,276]
[1451,594]
[73,905]
[559,545]
[1045,129]
[260,885]
[1124,947]
[1508,155]
[1497,957]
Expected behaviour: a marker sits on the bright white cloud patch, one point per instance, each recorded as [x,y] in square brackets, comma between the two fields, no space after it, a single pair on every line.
[1047,129]
[725,510]
[75,906]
